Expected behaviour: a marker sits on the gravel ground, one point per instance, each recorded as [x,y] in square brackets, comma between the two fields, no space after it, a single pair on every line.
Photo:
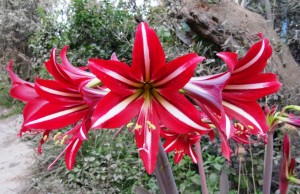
[16,156]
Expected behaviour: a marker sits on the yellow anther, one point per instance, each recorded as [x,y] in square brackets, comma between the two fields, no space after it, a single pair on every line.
[150,125]
[250,126]
[45,137]
[55,136]
[235,124]
[65,137]
[63,140]
[241,126]
[129,125]
[57,142]
[137,126]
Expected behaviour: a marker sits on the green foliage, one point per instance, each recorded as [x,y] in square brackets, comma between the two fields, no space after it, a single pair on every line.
[90,28]
[104,165]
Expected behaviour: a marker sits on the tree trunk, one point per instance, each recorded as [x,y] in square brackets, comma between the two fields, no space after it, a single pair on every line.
[231,27]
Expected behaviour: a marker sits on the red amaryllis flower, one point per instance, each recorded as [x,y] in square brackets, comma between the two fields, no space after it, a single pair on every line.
[233,94]
[247,84]
[181,144]
[149,91]
[287,167]
[54,104]
[59,103]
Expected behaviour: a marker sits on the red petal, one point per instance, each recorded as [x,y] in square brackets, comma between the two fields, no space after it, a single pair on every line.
[249,114]
[115,110]
[207,91]
[44,138]
[286,147]
[177,73]
[21,90]
[252,88]
[55,69]
[226,150]
[229,58]
[148,56]
[55,92]
[76,74]
[148,136]
[191,152]
[40,114]
[254,61]
[71,153]
[178,156]
[178,114]
[114,74]
[283,181]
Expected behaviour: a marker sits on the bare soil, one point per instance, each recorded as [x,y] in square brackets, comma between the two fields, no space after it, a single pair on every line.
[16,156]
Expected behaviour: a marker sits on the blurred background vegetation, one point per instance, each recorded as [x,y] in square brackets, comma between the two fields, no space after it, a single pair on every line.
[97,28]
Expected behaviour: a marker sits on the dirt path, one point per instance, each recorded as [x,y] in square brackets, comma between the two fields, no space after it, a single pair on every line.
[16,157]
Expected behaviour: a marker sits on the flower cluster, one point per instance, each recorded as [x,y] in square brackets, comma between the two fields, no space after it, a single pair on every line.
[152,98]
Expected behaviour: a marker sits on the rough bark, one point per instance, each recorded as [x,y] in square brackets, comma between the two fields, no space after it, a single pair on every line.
[231,27]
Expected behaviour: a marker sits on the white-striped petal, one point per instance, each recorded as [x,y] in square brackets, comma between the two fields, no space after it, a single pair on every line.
[178,114]
[82,133]
[240,111]
[171,144]
[115,110]
[252,61]
[56,115]
[194,158]
[60,93]
[246,86]
[120,78]
[146,53]
[171,76]
[56,64]
[72,151]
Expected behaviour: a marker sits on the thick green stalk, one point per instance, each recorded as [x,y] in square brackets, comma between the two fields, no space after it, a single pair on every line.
[201,168]
[163,173]
[268,164]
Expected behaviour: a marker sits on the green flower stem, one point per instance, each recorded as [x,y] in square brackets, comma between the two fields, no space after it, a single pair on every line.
[268,164]
[201,168]
[163,173]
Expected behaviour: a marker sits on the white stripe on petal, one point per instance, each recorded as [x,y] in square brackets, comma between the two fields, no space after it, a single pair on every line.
[192,154]
[259,54]
[58,114]
[60,93]
[82,133]
[172,143]
[171,76]
[228,126]
[55,64]
[146,53]
[243,113]
[120,77]
[246,86]
[116,110]
[72,150]
[178,114]
[195,89]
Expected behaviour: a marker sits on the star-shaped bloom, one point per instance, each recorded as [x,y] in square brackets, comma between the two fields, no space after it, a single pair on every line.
[149,92]
[181,144]
[239,89]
